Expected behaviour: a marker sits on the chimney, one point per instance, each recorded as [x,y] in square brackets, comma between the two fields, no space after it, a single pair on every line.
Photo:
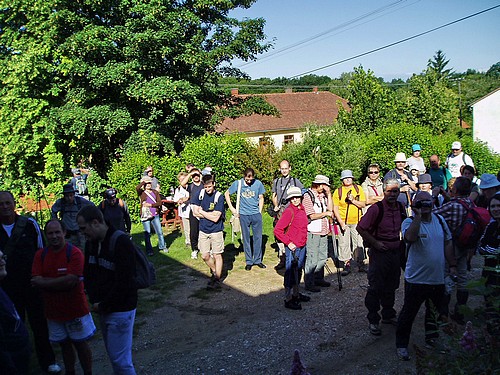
[315,89]
[234,92]
[288,90]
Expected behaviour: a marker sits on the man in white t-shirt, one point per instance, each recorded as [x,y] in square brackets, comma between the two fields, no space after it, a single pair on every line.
[456,159]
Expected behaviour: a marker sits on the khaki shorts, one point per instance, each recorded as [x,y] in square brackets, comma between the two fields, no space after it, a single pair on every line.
[211,242]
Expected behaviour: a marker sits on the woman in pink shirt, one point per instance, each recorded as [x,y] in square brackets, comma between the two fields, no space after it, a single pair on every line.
[291,229]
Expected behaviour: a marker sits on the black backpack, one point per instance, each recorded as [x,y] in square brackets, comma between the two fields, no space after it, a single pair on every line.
[145,273]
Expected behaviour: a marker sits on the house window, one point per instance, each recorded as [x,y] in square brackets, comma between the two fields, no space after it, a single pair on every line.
[288,139]
[264,142]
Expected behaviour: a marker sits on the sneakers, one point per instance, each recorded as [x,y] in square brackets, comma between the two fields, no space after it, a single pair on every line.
[391,321]
[194,254]
[54,369]
[403,354]
[293,304]
[375,329]
[214,284]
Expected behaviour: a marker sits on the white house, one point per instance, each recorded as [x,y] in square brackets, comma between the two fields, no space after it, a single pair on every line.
[296,110]
[486,119]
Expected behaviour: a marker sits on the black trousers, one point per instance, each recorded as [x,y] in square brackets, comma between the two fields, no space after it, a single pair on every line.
[383,280]
[415,295]
[28,301]
[194,234]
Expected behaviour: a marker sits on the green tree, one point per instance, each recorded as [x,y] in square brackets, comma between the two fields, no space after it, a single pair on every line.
[371,103]
[83,76]
[438,64]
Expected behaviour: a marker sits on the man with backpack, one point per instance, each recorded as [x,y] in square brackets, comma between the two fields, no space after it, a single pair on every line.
[455,214]
[109,274]
[20,239]
[348,202]
[79,182]
[209,208]
[58,272]
[456,159]
[65,209]
[279,201]
[115,211]
[380,228]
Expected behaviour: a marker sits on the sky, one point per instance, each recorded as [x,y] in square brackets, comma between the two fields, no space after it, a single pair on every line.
[354,27]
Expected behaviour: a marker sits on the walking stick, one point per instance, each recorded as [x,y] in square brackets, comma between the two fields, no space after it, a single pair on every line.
[336,261]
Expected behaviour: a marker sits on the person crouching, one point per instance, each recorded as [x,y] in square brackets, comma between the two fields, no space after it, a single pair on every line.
[291,229]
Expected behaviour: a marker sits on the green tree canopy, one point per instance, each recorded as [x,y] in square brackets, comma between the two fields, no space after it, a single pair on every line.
[78,78]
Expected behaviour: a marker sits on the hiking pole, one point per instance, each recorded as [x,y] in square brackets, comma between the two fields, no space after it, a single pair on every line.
[335,258]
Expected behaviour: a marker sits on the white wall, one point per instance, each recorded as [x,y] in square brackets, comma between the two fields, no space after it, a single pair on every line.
[278,138]
[486,120]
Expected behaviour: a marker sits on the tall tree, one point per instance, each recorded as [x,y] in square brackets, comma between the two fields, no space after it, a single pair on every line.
[438,64]
[78,78]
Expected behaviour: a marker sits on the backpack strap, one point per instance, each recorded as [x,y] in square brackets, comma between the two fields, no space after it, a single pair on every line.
[69,250]
[112,241]
[17,231]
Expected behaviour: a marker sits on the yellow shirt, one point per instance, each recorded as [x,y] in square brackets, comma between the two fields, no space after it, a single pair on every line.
[354,214]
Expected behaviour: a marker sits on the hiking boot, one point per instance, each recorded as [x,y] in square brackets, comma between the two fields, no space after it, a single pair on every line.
[403,354]
[363,268]
[347,270]
[322,283]
[313,289]
[194,254]
[214,284]
[293,304]
[391,321]
[302,298]
[375,329]
[281,264]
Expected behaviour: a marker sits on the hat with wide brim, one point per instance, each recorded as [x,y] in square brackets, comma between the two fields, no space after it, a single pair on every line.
[293,192]
[400,156]
[320,179]
[146,179]
[488,181]
[346,174]
[68,188]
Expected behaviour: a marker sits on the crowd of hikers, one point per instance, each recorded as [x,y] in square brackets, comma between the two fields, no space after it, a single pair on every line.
[426,221]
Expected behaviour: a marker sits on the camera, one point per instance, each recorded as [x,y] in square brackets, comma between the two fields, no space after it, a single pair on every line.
[422,204]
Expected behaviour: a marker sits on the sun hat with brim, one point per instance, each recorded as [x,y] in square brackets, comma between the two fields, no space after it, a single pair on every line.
[424,179]
[146,179]
[416,147]
[413,167]
[488,181]
[68,188]
[400,156]
[320,179]
[346,174]
[293,192]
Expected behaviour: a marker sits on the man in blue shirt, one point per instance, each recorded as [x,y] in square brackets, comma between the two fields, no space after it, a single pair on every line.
[208,207]
[250,193]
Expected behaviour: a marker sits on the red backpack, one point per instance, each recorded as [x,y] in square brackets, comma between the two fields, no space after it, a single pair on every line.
[469,232]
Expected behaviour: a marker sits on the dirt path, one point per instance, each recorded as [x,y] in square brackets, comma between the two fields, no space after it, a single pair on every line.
[245,329]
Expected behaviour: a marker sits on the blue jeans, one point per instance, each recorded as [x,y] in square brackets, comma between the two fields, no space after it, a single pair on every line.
[117,329]
[289,280]
[254,221]
[147,234]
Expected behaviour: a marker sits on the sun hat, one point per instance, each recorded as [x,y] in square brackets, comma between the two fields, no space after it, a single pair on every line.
[413,166]
[400,156]
[292,192]
[320,179]
[424,179]
[456,145]
[346,174]
[146,179]
[422,196]
[416,147]
[68,188]
[488,181]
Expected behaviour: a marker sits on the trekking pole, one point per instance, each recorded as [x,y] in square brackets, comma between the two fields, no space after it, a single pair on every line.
[336,261]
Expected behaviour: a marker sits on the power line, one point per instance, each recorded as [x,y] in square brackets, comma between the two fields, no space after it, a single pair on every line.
[395,43]
[293,46]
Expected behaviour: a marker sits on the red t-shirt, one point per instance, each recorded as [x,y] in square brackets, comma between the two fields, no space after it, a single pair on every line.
[62,305]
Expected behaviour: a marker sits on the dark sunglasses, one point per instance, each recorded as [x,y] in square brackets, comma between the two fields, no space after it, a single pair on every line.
[373,172]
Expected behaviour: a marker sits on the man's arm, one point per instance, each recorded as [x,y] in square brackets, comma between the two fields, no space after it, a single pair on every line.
[126,217]
[370,239]
[411,234]
[62,283]
[229,204]
[261,202]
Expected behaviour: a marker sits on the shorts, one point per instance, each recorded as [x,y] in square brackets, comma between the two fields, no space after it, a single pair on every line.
[79,329]
[211,242]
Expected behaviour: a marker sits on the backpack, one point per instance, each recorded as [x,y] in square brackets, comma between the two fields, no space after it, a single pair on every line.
[81,186]
[17,232]
[145,273]
[470,230]
[69,249]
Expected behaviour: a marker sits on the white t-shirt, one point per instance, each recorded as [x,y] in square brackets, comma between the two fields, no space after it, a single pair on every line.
[418,162]
[184,208]
[454,163]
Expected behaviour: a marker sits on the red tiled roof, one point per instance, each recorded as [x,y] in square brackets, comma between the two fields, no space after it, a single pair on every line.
[296,110]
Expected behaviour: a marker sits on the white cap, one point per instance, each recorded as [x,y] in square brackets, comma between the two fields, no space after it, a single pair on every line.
[456,145]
